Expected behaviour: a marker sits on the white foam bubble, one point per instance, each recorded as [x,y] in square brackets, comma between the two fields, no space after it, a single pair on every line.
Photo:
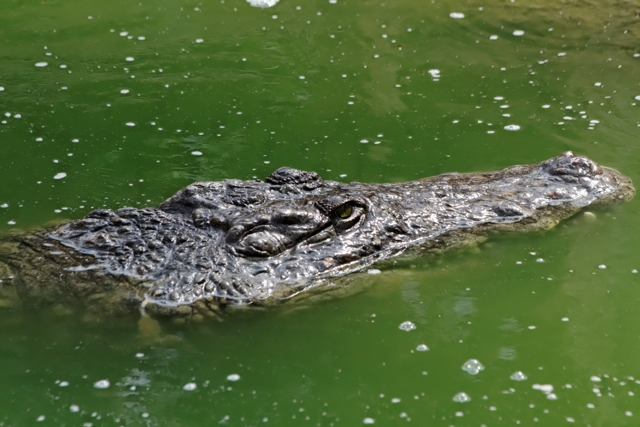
[196,153]
[368,421]
[456,15]
[493,37]
[130,124]
[518,376]
[461,397]
[189,387]
[124,91]
[422,347]
[129,59]
[263,4]
[473,366]
[74,408]
[407,326]
[518,33]
[41,64]
[233,377]
[545,388]
[102,384]
[199,40]
[60,175]
[512,127]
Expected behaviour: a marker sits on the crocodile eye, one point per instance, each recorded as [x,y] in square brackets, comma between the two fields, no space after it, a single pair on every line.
[344,211]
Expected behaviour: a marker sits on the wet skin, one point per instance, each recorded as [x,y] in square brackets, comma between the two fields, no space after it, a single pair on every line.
[215,244]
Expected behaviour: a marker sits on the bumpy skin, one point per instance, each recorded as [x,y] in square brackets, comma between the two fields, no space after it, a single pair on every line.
[253,242]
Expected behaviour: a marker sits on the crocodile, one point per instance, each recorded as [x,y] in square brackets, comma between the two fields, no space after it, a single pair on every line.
[215,245]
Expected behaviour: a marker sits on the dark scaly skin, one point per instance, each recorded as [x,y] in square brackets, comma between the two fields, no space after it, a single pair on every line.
[215,244]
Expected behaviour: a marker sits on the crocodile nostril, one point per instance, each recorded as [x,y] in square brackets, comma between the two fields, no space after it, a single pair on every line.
[568,165]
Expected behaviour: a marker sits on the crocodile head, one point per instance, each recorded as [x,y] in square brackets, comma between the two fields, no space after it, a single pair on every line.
[251,241]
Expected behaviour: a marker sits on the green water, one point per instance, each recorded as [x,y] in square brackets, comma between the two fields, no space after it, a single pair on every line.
[138,99]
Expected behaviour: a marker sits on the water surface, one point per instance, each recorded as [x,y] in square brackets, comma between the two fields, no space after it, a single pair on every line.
[122,103]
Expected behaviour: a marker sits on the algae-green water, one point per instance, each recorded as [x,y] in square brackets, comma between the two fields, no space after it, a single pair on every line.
[122,103]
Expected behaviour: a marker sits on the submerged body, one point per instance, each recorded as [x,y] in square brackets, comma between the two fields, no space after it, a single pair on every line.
[252,242]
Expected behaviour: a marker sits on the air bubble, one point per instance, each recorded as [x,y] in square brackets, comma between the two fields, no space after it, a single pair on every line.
[407,326]
[518,376]
[461,397]
[473,366]
[102,384]
[545,388]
